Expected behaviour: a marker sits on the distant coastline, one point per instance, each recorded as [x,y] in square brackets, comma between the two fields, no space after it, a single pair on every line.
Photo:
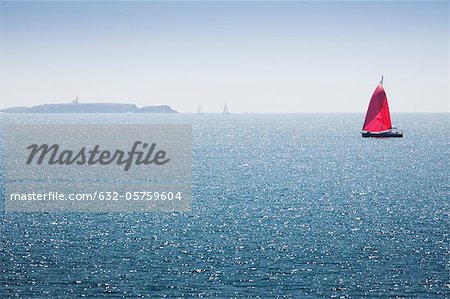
[89,108]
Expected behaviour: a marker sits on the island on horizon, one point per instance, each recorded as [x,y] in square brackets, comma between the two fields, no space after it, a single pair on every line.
[76,107]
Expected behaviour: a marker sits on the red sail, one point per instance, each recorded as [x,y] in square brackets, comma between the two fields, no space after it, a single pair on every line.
[378,117]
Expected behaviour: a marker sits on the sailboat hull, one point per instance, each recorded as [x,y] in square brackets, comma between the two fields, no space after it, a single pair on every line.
[384,134]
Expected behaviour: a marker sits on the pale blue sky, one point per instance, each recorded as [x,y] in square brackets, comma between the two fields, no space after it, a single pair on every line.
[255,56]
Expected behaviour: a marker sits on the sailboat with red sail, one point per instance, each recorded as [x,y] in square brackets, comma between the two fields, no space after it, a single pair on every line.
[378,118]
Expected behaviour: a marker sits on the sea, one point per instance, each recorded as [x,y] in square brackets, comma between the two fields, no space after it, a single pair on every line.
[284,206]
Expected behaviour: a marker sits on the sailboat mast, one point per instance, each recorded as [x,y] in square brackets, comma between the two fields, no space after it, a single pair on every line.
[381,82]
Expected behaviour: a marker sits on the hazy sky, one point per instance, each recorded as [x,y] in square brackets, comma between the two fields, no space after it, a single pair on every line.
[255,56]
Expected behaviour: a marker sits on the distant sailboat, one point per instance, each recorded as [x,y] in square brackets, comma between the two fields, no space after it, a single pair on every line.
[225,109]
[378,118]
[199,110]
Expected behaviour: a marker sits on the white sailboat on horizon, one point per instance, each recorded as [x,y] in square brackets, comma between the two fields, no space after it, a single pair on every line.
[225,109]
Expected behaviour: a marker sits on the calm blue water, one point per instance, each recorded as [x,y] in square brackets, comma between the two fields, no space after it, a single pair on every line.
[284,205]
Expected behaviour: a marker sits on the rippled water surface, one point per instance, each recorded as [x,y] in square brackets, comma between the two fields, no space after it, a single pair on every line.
[284,205]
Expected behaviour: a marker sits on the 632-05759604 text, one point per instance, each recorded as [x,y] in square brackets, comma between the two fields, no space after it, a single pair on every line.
[99,195]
